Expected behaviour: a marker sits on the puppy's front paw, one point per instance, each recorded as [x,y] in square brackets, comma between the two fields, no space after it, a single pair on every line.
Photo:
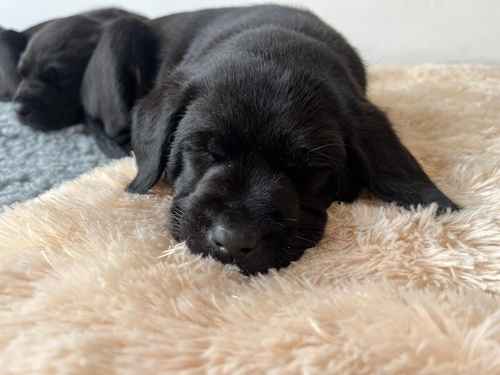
[445,204]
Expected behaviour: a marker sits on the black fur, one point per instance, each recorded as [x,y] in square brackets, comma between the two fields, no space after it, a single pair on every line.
[259,118]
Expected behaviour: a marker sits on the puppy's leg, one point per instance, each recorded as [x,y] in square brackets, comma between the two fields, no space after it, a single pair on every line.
[386,167]
[120,72]
[12,44]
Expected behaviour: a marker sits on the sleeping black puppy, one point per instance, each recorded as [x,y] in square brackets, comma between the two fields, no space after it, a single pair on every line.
[51,68]
[259,119]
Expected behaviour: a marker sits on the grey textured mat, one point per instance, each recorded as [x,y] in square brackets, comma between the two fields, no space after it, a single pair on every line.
[33,162]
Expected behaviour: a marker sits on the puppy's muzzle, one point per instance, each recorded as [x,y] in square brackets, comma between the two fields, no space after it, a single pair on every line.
[28,100]
[25,106]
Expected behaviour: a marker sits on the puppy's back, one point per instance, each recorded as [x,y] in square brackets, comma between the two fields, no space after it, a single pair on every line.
[191,37]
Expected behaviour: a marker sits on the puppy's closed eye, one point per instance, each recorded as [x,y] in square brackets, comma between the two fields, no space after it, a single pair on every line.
[56,77]
[217,153]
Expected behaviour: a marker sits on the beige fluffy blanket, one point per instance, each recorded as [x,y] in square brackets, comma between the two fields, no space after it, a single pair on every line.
[91,282]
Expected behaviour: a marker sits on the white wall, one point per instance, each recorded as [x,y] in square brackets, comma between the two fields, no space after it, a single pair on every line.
[385,31]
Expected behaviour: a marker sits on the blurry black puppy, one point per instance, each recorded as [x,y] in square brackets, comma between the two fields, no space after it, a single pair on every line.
[52,66]
[259,119]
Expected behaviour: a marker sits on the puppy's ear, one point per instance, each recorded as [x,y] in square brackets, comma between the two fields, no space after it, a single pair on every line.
[120,71]
[154,123]
[12,45]
[383,165]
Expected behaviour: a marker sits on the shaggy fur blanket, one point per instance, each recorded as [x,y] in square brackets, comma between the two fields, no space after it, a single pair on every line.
[91,282]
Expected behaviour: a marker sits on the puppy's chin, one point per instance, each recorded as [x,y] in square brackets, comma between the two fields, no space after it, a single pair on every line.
[260,261]
[42,120]
[38,124]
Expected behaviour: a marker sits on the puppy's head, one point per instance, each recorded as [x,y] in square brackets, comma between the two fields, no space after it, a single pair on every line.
[251,158]
[51,70]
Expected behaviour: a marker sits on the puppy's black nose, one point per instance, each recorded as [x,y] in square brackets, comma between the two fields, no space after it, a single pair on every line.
[235,240]
[23,110]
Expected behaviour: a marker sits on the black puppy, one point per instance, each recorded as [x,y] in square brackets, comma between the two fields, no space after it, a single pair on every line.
[52,66]
[259,118]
